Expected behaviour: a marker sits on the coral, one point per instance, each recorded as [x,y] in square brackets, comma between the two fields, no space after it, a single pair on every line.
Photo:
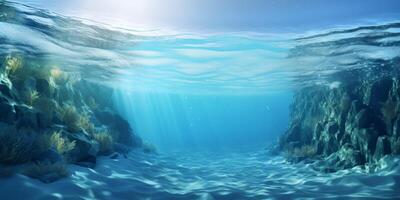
[105,140]
[16,145]
[45,172]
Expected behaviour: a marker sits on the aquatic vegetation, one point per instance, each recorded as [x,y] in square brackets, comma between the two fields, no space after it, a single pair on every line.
[85,123]
[105,141]
[31,96]
[70,117]
[46,172]
[61,144]
[16,145]
[54,140]
[75,121]
[13,64]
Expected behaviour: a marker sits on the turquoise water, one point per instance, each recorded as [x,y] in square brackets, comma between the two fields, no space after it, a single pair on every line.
[206,122]
[209,103]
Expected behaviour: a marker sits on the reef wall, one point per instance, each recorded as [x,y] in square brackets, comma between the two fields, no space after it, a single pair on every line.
[354,122]
[50,117]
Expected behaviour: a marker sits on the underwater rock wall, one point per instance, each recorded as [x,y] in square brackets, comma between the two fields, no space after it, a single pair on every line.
[49,117]
[355,123]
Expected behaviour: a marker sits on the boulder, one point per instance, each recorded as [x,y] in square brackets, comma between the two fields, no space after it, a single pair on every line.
[119,125]
[85,148]
[49,157]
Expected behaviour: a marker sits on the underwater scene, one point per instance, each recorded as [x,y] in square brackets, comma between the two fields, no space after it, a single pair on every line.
[235,100]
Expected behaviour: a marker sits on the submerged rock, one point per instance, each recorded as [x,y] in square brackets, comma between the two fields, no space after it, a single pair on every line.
[85,148]
[49,156]
[353,124]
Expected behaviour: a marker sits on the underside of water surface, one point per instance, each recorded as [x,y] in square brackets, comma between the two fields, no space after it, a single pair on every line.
[90,110]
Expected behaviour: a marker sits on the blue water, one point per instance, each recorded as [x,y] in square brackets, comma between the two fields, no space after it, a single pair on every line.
[199,122]
[209,103]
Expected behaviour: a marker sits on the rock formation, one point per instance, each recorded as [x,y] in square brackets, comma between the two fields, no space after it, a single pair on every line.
[356,123]
[49,117]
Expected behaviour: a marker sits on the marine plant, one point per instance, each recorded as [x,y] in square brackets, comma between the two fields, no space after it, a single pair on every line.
[84,123]
[60,144]
[16,145]
[31,96]
[46,172]
[70,117]
[105,141]
[12,64]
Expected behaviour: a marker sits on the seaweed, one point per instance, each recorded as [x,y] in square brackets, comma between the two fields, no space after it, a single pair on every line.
[17,146]
[70,117]
[105,141]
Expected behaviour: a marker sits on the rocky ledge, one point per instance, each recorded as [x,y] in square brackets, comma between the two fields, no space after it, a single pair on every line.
[50,118]
[354,122]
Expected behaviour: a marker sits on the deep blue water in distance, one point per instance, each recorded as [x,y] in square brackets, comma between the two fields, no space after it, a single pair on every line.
[206,122]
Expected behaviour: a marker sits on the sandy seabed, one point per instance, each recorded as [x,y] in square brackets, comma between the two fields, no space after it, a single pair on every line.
[208,176]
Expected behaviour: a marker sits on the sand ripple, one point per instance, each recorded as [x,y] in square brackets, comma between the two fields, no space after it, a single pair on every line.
[245,175]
